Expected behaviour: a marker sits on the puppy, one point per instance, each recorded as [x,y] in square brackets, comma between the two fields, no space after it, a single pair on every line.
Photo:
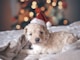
[44,42]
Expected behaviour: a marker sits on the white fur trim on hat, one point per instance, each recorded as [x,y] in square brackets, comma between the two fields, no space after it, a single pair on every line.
[48,24]
[38,21]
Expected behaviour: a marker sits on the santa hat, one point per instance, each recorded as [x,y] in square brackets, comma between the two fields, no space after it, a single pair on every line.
[40,18]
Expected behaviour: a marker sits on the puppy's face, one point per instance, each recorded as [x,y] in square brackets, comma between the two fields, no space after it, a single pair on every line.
[36,34]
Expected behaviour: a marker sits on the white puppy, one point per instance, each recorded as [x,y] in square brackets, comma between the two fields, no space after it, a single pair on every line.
[44,42]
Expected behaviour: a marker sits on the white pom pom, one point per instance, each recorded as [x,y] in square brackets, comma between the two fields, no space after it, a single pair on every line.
[48,24]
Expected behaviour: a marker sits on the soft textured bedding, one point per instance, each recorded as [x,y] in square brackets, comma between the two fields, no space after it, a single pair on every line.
[11,38]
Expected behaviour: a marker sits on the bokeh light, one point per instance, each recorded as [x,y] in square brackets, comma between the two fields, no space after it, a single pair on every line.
[18,26]
[26,19]
[31,14]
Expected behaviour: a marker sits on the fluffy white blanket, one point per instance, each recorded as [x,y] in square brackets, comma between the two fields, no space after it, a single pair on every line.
[72,53]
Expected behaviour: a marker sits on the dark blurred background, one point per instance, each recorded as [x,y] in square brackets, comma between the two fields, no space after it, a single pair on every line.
[10,8]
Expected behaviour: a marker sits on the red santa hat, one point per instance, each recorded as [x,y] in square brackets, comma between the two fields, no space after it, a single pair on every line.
[40,18]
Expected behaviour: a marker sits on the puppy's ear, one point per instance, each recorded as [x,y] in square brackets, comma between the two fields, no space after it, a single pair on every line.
[46,33]
[45,29]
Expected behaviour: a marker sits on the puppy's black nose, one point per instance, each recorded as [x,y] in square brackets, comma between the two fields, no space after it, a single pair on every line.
[37,40]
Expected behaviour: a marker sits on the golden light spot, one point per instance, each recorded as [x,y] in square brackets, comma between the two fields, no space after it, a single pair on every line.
[48,1]
[60,7]
[34,6]
[26,19]
[65,22]
[18,26]
[22,11]
[22,0]
[34,3]
[60,3]
[43,8]
[53,3]
[31,14]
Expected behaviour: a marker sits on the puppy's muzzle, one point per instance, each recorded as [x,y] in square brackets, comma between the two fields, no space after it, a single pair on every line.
[37,40]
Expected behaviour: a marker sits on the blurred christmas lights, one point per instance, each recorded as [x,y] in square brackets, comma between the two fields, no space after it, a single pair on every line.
[60,7]
[48,1]
[31,14]
[53,3]
[18,26]
[60,3]
[26,19]
[65,22]
[28,7]
[42,8]
[22,11]
[34,6]
[22,0]
[34,3]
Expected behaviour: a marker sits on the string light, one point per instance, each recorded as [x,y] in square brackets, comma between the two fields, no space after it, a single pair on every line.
[28,15]
[18,26]
[34,6]
[53,3]
[48,1]
[60,7]
[26,19]
[60,3]
[31,14]
[22,0]
[43,8]
[34,3]
[65,22]
[22,11]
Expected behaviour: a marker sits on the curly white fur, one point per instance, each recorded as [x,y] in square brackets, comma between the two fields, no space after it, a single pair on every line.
[49,42]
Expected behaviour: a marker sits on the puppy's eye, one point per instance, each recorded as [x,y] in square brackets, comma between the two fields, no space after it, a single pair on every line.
[41,32]
[30,34]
